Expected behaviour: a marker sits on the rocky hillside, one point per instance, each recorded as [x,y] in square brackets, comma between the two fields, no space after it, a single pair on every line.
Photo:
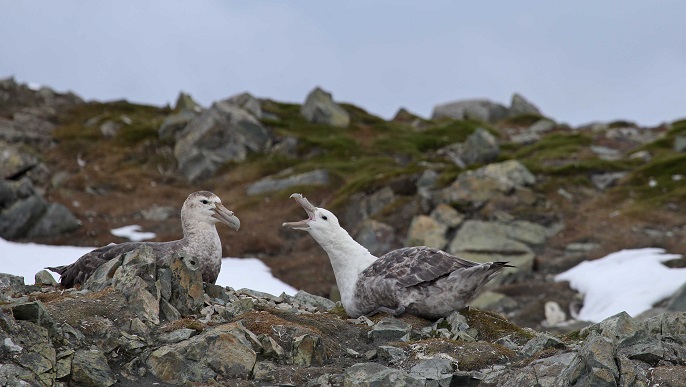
[479,179]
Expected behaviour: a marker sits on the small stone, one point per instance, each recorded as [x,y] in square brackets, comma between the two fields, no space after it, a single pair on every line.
[390,329]
[308,350]
[318,302]
[541,342]
[177,335]
[433,369]
[393,355]
[44,278]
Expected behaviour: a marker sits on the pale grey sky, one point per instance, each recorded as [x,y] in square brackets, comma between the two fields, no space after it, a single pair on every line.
[578,61]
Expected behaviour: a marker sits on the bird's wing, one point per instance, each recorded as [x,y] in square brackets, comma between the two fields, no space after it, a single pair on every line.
[411,266]
[79,271]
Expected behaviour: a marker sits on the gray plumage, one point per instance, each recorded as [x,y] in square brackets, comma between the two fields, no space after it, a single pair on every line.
[422,281]
[199,214]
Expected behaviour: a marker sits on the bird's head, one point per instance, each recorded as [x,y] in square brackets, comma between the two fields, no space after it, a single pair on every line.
[206,207]
[319,222]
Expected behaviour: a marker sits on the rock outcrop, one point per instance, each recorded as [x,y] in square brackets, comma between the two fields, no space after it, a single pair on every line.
[119,329]
[320,108]
[225,132]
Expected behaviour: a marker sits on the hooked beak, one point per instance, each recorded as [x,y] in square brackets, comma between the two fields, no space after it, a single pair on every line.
[226,216]
[308,207]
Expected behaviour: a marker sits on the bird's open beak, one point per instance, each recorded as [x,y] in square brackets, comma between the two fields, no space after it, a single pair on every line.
[226,216]
[308,207]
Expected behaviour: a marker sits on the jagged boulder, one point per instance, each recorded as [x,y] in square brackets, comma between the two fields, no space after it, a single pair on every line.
[282,181]
[320,108]
[249,103]
[520,105]
[220,351]
[223,133]
[25,213]
[474,109]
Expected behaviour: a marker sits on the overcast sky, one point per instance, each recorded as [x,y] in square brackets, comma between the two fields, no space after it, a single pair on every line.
[577,61]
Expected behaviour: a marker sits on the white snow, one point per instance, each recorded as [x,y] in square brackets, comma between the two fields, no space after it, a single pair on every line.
[133,233]
[628,280]
[27,259]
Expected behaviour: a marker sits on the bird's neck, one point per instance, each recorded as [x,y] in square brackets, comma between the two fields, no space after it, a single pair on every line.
[348,259]
[202,237]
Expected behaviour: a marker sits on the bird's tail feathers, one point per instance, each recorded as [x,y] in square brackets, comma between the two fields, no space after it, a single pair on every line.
[59,269]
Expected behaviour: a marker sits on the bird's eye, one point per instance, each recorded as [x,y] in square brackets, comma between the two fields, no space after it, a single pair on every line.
[324,217]
[204,201]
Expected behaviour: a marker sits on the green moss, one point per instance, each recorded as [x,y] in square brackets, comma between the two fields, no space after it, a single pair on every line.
[556,146]
[492,326]
[526,119]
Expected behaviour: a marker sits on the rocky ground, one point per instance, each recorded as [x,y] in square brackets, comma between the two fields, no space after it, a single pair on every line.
[478,179]
[135,323]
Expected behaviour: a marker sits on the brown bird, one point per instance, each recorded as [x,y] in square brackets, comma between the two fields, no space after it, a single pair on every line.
[200,213]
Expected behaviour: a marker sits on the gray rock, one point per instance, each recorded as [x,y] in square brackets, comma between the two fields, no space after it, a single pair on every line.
[28,356]
[11,284]
[482,236]
[247,102]
[373,374]
[44,278]
[606,153]
[223,133]
[594,364]
[219,351]
[580,247]
[447,215]
[90,368]
[475,109]
[621,328]
[321,303]
[174,124]
[377,237]
[320,108]
[520,105]
[680,144]
[109,128]
[187,294]
[308,350]
[273,184]
[56,220]
[602,181]
[135,278]
[678,301]
[541,342]
[14,162]
[393,355]
[542,126]
[483,184]
[432,369]
[177,335]
[102,276]
[494,301]
[271,349]
[186,103]
[34,312]
[17,220]
[426,231]
[390,329]
[542,372]
[480,147]
[667,327]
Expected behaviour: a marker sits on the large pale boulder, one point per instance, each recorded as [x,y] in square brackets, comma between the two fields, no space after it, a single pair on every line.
[223,133]
[473,109]
[320,108]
